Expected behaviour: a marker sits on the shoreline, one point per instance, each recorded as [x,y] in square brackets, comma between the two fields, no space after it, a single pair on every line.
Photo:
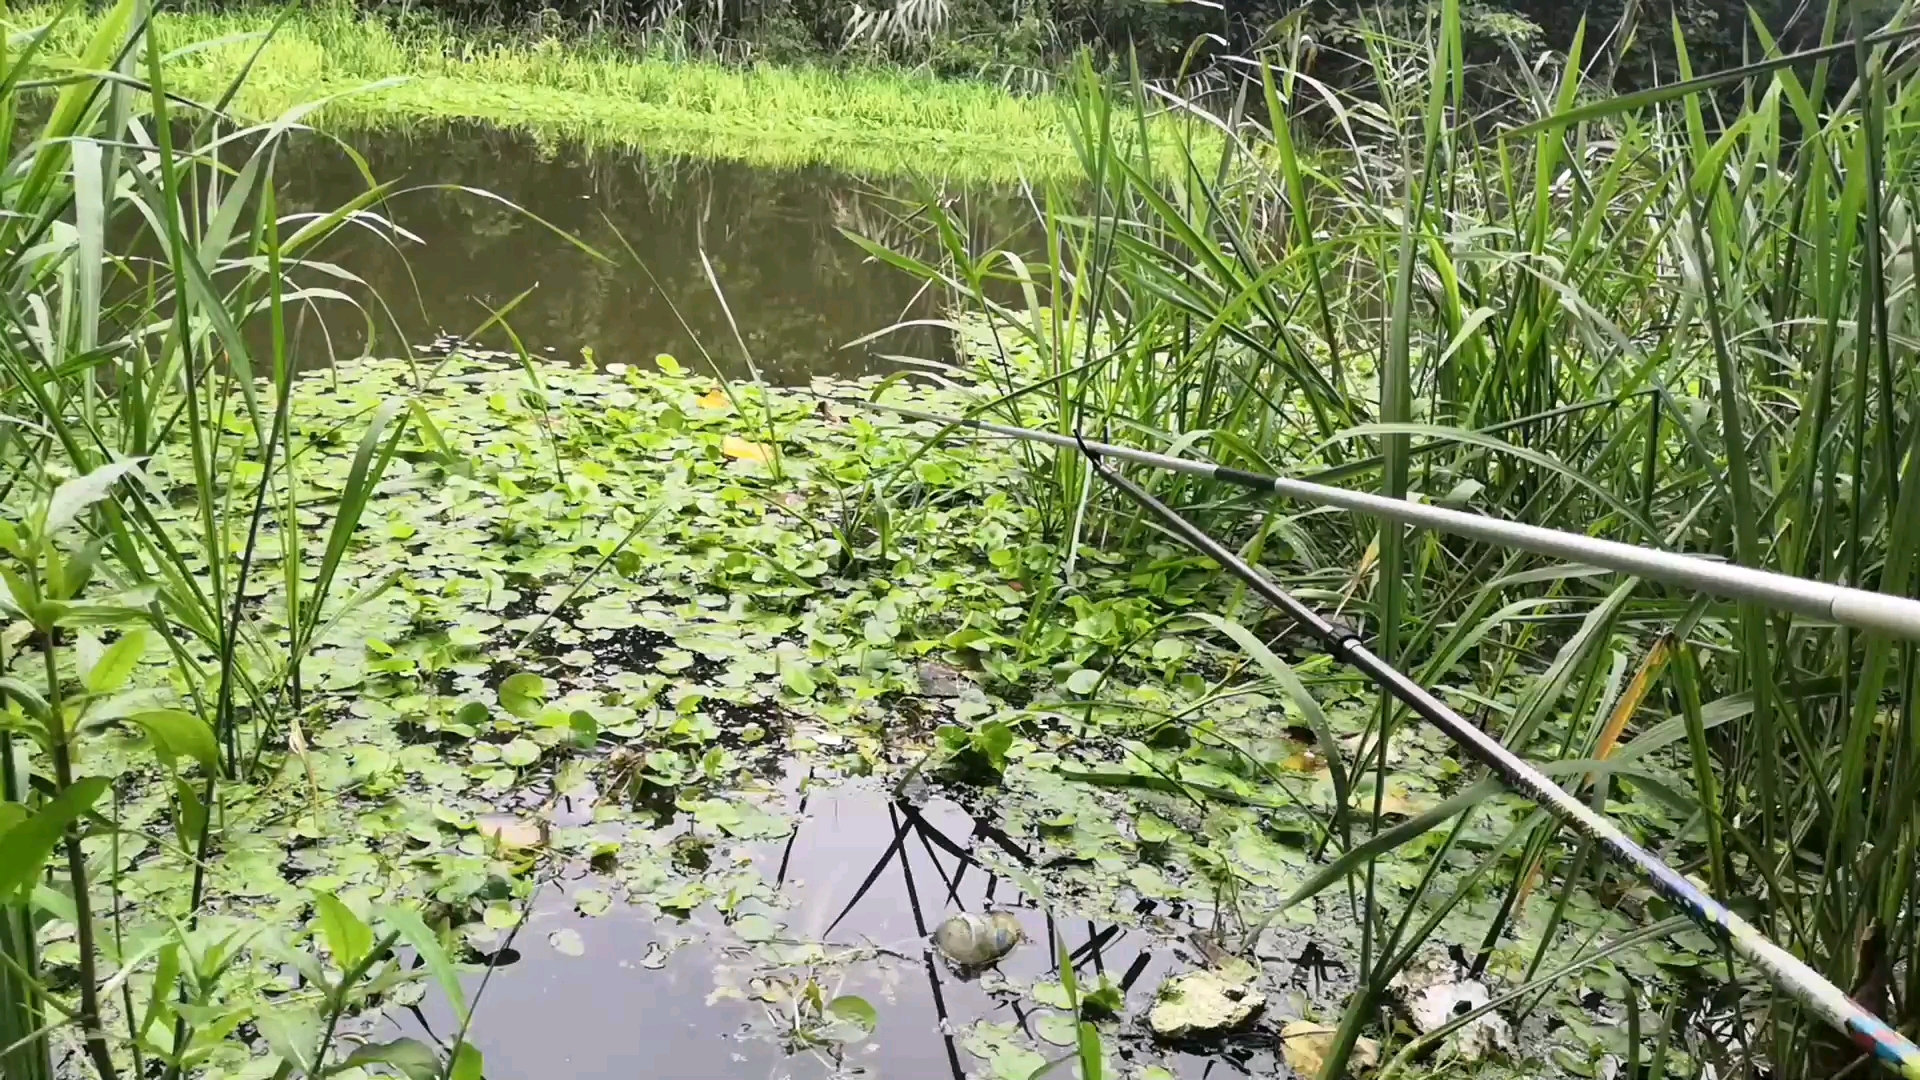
[875,122]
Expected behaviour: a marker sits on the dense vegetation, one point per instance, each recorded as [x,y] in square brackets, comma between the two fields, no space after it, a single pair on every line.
[1637,317]
[1027,42]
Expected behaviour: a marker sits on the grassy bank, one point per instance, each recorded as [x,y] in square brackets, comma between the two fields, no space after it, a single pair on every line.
[872,121]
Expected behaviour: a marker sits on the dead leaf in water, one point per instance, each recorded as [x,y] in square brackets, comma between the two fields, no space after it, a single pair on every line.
[1306,760]
[511,833]
[1306,1045]
[741,450]
[714,399]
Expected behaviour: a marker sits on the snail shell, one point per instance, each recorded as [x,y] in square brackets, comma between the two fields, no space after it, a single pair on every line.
[973,941]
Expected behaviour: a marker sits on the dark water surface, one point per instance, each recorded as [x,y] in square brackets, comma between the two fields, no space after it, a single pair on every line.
[798,289]
[641,1000]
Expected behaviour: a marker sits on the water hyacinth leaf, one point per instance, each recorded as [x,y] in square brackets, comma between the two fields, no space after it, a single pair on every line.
[520,752]
[25,848]
[856,1014]
[584,729]
[668,364]
[176,733]
[411,1058]
[473,713]
[1083,681]
[426,944]
[115,665]
[348,937]
[522,694]
[798,679]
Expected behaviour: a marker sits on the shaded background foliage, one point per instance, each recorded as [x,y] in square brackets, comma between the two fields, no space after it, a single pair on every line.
[1024,43]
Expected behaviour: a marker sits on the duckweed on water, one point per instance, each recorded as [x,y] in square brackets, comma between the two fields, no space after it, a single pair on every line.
[676,605]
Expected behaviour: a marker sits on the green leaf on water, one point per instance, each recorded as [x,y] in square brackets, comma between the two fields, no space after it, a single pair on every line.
[855,1012]
[520,752]
[584,728]
[1153,829]
[592,901]
[410,1057]
[522,694]
[1082,682]
[473,713]
[798,678]
[567,942]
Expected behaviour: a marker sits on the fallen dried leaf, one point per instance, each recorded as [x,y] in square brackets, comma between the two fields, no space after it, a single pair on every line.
[715,399]
[511,833]
[1306,1045]
[740,449]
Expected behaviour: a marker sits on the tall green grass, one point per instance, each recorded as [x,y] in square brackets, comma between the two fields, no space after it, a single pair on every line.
[613,90]
[159,599]
[1679,318]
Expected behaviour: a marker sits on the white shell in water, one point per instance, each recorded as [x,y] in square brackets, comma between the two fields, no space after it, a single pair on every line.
[972,941]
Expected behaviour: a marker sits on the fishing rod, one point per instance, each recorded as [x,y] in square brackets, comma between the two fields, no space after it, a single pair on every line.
[1872,1034]
[1858,608]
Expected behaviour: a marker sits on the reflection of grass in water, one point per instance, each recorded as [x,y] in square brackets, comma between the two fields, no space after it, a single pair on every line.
[870,121]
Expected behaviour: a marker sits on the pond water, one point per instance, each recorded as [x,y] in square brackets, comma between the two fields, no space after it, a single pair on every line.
[867,872]
[797,288]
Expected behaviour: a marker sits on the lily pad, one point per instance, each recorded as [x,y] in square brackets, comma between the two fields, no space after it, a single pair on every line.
[567,943]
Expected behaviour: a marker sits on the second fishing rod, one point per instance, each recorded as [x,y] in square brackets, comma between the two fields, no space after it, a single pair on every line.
[1813,990]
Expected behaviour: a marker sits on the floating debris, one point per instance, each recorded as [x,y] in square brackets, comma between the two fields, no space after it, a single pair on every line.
[1305,1044]
[944,681]
[512,833]
[1206,1002]
[1433,994]
[973,941]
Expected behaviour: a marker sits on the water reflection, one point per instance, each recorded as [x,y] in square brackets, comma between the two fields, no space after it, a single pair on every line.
[871,875]
[798,290]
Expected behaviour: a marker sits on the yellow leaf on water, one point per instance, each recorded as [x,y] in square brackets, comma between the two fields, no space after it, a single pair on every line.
[1307,759]
[1306,1045]
[511,833]
[715,399]
[735,447]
